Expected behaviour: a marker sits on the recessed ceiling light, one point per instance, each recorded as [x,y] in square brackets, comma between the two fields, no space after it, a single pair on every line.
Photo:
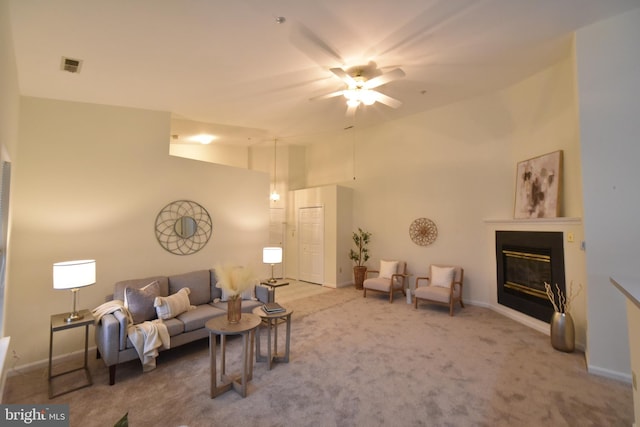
[203,138]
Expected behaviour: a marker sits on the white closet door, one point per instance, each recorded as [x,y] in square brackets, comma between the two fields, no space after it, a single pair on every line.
[311,244]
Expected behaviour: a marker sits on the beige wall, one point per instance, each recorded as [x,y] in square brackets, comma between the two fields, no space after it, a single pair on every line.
[90,182]
[9,110]
[9,100]
[456,165]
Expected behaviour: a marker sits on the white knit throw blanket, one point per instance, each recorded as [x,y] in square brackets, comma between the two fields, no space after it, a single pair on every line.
[146,337]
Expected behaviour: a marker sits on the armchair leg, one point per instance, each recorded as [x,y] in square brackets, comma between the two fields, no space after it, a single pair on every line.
[364,292]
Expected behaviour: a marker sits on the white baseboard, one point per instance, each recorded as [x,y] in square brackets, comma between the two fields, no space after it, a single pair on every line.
[608,373]
[44,363]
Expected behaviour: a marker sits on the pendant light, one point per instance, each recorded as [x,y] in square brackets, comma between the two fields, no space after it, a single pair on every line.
[274,194]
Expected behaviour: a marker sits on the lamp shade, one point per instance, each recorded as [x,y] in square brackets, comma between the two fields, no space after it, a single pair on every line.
[272,255]
[74,274]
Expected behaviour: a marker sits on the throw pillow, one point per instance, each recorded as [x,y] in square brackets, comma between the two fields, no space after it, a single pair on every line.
[173,305]
[388,269]
[442,276]
[139,302]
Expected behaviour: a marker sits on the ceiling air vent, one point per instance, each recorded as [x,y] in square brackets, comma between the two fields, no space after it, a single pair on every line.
[70,65]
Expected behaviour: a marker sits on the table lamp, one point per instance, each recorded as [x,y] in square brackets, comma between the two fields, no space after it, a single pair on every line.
[74,275]
[272,255]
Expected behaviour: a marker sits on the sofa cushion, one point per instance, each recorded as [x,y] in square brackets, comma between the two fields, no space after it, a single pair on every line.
[196,318]
[198,283]
[378,284]
[139,302]
[435,293]
[118,289]
[174,326]
[169,307]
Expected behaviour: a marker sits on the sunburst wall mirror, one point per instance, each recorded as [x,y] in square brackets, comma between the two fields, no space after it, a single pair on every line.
[183,227]
[423,231]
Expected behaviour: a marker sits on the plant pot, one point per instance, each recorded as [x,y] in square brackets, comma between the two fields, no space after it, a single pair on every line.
[359,272]
[562,332]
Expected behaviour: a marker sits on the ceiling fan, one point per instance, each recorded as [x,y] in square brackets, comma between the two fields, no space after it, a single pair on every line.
[360,81]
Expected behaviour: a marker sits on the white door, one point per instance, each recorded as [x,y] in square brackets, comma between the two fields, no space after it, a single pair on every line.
[277,238]
[311,244]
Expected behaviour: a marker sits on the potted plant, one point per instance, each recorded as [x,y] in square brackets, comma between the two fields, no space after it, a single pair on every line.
[360,256]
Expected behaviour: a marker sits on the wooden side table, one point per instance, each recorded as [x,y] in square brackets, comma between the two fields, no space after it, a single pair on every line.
[246,327]
[274,285]
[59,323]
[271,321]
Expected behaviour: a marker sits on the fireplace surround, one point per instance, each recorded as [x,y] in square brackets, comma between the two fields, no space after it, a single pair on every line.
[525,260]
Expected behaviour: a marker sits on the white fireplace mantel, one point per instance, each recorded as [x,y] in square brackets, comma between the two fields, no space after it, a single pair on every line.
[574,259]
[535,221]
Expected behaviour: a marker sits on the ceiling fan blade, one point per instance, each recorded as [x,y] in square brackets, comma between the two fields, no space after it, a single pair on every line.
[351,110]
[423,25]
[343,75]
[387,100]
[394,74]
[327,95]
[313,46]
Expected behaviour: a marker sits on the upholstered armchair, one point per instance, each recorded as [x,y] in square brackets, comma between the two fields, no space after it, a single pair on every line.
[390,278]
[443,286]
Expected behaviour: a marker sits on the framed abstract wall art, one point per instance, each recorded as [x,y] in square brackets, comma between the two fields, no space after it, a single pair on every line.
[538,183]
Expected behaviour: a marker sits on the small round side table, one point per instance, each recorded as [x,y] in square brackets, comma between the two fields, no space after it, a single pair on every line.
[246,327]
[271,321]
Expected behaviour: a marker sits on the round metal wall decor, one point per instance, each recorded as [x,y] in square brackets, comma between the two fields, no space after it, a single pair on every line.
[183,227]
[423,231]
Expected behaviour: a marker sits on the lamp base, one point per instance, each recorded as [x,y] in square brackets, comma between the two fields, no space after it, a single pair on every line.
[273,279]
[73,317]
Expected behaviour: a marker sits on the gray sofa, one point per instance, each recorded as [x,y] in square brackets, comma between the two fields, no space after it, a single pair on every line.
[115,347]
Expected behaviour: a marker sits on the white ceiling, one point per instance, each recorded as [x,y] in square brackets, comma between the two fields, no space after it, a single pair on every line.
[229,62]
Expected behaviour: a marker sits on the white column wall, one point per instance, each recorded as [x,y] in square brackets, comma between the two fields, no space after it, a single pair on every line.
[608,62]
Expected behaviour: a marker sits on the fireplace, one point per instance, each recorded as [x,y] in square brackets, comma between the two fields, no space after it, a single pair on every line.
[525,261]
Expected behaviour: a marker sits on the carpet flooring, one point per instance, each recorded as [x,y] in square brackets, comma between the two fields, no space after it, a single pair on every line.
[360,362]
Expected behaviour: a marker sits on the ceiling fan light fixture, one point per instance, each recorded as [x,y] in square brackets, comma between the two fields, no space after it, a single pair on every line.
[350,94]
[368,97]
[353,102]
